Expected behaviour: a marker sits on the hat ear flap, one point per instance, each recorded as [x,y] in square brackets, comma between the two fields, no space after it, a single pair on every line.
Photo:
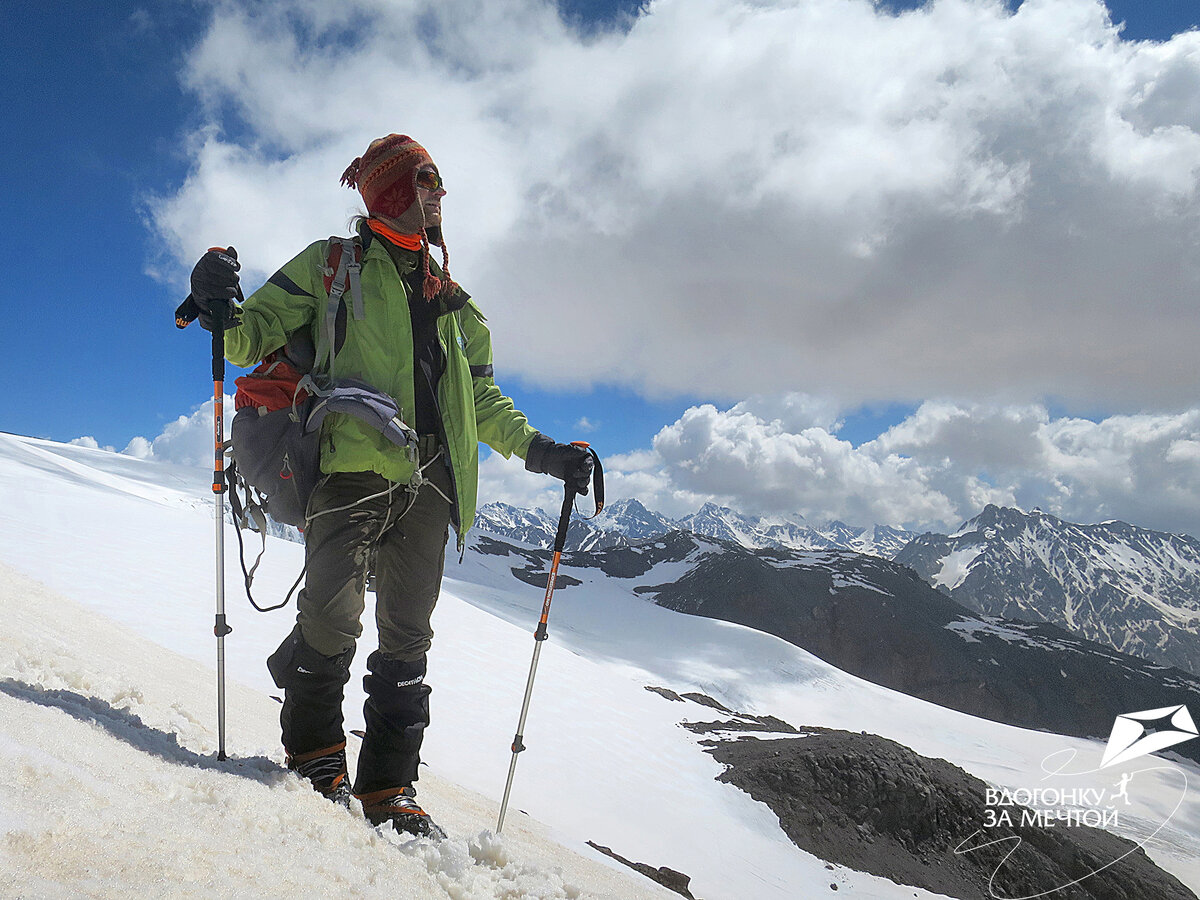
[399,203]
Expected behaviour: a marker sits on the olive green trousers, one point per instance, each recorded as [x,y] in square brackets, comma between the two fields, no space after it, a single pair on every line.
[361,523]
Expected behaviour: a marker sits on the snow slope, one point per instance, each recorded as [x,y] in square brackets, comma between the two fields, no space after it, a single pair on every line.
[111,788]
[123,629]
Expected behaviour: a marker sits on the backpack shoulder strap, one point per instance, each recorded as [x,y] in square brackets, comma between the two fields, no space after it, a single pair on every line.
[343,267]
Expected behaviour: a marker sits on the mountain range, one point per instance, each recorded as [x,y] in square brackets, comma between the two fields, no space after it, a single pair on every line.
[1131,588]
[877,619]
[627,521]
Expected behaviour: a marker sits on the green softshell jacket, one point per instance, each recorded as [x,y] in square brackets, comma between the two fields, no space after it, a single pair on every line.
[378,349]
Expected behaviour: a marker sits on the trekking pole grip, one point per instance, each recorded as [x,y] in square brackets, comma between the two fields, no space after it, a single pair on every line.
[186,313]
[564,519]
[220,313]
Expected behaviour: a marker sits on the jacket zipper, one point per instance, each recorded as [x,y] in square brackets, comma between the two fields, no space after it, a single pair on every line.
[455,508]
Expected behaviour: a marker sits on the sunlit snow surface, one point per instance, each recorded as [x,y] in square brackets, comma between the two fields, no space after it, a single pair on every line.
[108,723]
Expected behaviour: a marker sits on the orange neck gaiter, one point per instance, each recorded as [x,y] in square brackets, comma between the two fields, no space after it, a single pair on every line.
[407,241]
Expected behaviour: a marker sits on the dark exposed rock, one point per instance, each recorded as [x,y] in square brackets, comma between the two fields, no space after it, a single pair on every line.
[705,700]
[874,805]
[665,692]
[736,722]
[668,878]
[539,577]
[537,563]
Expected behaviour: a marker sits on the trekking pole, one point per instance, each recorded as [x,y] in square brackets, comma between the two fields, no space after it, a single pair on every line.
[560,541]
[220,626]
[184,315]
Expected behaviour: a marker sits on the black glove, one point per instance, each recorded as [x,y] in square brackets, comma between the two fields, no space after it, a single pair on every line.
[206,313]
[214,285]
[568,463]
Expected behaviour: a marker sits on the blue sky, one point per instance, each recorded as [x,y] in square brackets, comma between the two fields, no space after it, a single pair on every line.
[105,112]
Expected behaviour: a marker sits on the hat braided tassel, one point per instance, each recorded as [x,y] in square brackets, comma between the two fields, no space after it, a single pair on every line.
[350,176]
[433,286]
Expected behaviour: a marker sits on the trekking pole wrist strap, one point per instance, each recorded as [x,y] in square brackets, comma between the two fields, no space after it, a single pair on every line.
[569,495]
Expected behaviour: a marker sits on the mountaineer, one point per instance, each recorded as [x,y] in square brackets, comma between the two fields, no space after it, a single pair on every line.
[408,330]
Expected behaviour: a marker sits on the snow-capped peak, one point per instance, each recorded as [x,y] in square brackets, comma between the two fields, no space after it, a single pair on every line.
[1135,589]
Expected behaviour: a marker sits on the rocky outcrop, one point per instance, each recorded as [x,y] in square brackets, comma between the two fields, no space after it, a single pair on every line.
[871,804]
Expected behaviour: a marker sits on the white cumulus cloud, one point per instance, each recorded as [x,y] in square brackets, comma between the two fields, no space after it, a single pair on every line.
[730,199]
[186,441]
[936,468]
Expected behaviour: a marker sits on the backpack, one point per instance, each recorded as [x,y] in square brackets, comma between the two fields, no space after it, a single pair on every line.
[279,407]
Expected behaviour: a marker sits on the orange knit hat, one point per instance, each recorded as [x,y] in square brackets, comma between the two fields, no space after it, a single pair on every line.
[385,176]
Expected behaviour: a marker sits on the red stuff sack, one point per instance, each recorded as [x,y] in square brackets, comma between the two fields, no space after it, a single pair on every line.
[272,386]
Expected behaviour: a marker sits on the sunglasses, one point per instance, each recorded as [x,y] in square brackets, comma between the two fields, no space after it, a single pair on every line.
[429,180]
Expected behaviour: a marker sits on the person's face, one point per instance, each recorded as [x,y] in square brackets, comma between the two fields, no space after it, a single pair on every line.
[430,192]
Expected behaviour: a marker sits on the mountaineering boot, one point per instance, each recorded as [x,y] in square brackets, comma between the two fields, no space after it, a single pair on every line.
[399,806]
[311,719]
[396,713]
[326,770]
